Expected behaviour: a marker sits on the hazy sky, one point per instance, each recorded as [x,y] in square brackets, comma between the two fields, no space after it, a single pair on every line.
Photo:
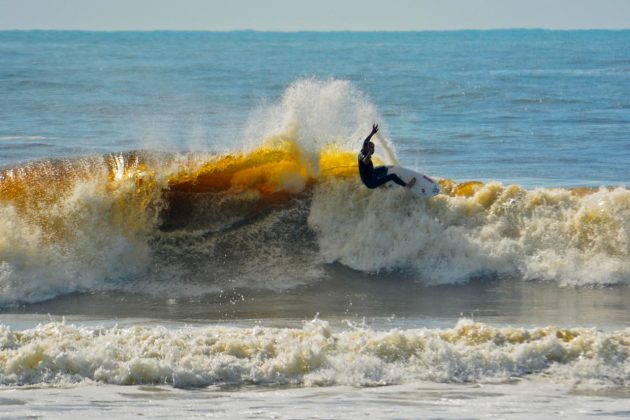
[291,15]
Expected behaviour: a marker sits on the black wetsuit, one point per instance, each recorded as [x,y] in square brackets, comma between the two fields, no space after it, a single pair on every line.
[375,177]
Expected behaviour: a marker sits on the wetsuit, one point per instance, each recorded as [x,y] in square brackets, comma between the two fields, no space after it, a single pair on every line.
[375,177]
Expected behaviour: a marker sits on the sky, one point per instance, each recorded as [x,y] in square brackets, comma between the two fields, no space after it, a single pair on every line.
[321,15]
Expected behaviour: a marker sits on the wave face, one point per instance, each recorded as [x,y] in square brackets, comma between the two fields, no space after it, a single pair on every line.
[314,355]
[273,213]
[71,225]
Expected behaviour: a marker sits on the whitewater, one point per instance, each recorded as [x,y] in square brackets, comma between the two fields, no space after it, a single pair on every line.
[204,246]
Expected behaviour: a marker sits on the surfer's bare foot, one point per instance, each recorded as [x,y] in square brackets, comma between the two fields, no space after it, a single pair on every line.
[411,183]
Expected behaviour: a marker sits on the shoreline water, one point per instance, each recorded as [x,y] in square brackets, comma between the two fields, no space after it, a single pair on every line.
[447,401]
[380,302]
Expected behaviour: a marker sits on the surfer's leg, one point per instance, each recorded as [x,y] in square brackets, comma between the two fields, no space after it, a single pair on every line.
[381,177]
[380,171]
[386,179]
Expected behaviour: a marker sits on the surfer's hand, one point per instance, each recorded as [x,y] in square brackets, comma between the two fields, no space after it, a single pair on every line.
[374,128]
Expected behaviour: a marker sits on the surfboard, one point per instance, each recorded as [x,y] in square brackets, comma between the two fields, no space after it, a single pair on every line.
[424,186]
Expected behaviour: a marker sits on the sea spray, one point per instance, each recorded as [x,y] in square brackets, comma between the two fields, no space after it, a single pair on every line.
[317,114]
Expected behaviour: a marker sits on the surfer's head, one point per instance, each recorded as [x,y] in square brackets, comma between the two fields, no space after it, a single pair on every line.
[368,150]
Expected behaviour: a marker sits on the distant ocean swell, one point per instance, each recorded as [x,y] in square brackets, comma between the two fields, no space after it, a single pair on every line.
[315,355]
[273,211]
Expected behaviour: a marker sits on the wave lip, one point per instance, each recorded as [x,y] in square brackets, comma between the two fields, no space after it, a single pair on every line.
[315,355]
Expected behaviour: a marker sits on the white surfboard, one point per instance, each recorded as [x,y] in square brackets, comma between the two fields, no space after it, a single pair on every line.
[424,186]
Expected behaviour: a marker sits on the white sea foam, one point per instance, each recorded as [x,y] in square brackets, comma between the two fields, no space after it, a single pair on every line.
[546,234]
[315,355]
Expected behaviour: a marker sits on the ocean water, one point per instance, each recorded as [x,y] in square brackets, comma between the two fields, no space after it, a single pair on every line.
[183,231]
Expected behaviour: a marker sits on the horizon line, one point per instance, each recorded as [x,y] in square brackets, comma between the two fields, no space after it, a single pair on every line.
[540,29]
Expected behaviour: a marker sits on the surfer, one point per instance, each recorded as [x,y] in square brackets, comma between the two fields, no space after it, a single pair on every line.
[375,177]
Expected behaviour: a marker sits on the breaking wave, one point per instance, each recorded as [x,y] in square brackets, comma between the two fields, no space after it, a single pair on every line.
[275,211]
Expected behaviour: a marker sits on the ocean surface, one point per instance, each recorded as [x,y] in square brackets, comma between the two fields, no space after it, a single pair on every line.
[183,231]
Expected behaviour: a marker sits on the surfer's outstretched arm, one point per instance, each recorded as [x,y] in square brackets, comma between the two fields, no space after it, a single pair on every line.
[369,137]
